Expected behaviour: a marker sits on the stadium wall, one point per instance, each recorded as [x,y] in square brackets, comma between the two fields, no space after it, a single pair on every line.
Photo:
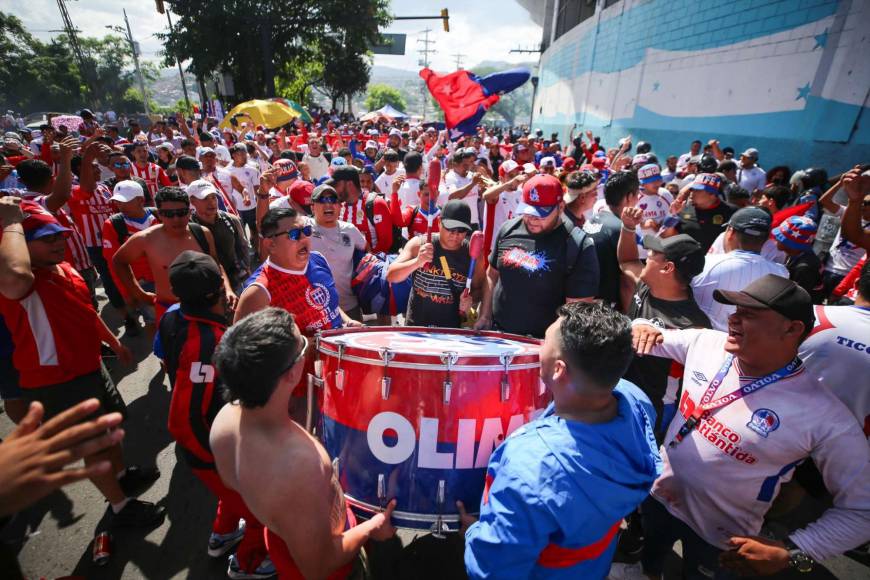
[789,77]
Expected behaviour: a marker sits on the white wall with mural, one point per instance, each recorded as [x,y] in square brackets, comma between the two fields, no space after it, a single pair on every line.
[790,77]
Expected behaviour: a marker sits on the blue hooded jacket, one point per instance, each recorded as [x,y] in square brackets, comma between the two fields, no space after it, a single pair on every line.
[557,491]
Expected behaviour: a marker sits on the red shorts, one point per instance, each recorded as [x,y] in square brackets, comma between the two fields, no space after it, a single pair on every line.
[283,561]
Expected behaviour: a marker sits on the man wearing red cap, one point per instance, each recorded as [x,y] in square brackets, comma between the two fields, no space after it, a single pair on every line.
[57,335]
[539,260]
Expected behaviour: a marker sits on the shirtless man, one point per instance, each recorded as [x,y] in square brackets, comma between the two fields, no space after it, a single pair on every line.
[160,245]
[310,530]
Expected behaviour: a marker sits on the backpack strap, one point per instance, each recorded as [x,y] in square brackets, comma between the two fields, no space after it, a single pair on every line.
[370,206]
[573,244]
[198,234]
[120,226]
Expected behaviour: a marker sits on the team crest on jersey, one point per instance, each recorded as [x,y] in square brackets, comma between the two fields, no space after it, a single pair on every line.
[317,296]
[718,220]
[763,422]
[345,239]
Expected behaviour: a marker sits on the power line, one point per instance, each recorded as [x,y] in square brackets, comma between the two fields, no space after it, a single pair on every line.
[84,64]
[424,61]
[458,59]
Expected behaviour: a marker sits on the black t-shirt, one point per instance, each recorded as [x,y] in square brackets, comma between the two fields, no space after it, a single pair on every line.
[604,229]
[705,225]
[434,299]
[650,373]
[535,278]
[805,270]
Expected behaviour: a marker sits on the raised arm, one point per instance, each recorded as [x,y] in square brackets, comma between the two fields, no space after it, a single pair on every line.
[16,275]
[626,248]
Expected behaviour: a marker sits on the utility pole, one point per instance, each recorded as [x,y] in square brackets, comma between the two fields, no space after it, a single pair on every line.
[136,64]
[84,63]
[458,56]
[180,70]
[424,62]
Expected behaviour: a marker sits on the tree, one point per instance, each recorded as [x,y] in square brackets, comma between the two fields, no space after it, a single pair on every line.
[246,38]
[380,95]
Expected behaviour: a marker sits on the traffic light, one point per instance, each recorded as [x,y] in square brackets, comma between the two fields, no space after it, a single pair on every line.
[445,17]
[160,8]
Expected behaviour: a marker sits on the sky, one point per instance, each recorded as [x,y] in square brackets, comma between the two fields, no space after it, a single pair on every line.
[480,30]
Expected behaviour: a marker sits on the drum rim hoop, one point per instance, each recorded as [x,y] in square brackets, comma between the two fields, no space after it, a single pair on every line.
[409,516]
[430,366]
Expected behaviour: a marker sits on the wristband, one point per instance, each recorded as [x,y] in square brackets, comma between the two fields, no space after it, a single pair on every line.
[628,229]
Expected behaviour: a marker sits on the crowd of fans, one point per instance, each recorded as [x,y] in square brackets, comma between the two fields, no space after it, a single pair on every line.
[208,235]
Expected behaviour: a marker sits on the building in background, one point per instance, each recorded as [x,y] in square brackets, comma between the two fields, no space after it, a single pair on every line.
[789,77]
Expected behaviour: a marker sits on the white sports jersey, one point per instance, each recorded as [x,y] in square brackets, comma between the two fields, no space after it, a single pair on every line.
[837,355]
[454,181]
[505,208]
[250,179]
[732,271]
[384,182]
[721,479]
[768,250]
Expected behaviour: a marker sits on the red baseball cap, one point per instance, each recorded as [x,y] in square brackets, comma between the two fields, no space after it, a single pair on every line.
[541,195]
[38,222]
[300,192]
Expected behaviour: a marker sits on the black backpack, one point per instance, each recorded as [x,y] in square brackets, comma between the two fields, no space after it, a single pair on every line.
[398,240]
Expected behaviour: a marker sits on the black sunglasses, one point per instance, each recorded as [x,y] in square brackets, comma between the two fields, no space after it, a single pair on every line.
[296,233]
[326,200]
[174,213]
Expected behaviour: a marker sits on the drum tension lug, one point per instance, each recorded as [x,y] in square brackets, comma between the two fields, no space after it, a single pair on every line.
[439,528]
[382,491]
[448,359]
[505,360]
[339,372]
[386,356]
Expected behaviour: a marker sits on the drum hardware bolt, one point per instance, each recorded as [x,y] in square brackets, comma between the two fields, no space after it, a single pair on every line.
[505,359]
[339,373]
[386,356]
[382,491]
[439,527]
[309,415]
[449,359]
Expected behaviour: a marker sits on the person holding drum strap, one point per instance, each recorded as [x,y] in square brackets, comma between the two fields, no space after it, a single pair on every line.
[558,488]
[283,473]
[440,271]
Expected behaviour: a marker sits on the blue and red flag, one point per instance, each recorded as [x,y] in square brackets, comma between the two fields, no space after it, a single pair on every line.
[465,97]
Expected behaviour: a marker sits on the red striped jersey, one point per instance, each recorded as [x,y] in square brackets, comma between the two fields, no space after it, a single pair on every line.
[54,328]
[153,176]
[89,210]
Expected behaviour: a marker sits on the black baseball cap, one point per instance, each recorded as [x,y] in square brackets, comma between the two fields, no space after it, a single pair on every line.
[344,173]
[323,190]
[752,221]
[456,214]
[683,250]
[188,163]
[194,276]
[775,293]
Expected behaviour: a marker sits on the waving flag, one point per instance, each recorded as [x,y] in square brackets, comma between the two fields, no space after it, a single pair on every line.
[465,97]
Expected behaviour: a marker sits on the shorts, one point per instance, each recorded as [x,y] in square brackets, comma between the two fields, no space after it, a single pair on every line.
[58,398]
[9,387]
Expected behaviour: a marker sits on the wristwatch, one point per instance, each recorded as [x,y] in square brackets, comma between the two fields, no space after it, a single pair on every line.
[797,558]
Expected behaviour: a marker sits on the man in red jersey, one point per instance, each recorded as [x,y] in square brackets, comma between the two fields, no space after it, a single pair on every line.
[57,335]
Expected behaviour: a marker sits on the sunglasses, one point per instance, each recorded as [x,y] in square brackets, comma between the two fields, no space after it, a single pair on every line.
[121,164]
[174,213]
[296,233]
[299,356]
[326,200]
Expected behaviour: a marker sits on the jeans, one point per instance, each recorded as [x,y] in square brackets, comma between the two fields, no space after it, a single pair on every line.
[661,530]
[249,218]
[112,292]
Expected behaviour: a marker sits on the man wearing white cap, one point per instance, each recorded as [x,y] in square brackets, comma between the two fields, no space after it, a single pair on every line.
[229,234]
[750,176]
[132,217]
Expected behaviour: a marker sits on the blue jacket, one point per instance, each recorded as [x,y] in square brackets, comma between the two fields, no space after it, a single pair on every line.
[557,491]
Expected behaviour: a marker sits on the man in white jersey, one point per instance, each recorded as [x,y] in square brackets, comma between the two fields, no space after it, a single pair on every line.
[837,351]
[742,427]
[743,263]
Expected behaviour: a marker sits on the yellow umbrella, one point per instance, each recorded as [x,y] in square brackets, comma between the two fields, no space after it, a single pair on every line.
[270,114]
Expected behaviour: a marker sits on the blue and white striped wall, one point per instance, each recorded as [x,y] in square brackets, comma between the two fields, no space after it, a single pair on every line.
[789,77]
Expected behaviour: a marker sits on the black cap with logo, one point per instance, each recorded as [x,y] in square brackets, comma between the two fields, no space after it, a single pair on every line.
[776,293]
[456,215]
[683,250]
[752,221]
